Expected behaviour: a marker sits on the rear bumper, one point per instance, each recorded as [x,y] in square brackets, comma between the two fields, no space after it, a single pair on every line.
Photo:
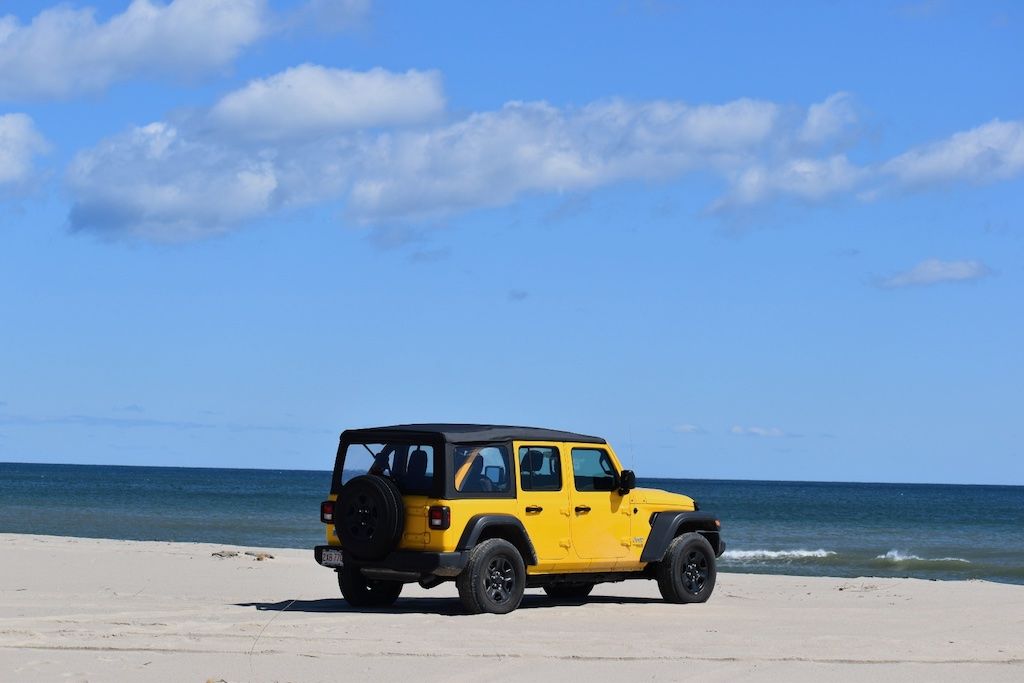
[413,563]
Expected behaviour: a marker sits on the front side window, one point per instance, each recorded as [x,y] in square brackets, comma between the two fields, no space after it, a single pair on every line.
[592,470]
[481,469]
[409,465]
[539,468]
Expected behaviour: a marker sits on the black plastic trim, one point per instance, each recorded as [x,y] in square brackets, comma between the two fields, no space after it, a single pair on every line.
[478,524]
[539,580]
[411,561]
[667,525]
[476,433]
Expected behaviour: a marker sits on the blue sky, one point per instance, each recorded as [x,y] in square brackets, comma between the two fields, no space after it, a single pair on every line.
[762,241]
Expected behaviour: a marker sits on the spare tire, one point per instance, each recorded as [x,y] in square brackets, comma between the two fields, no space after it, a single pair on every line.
[369,516]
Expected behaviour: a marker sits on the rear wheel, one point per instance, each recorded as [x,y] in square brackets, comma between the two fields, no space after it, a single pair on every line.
[360,591]
[494,578]
[569,591]
[688,572]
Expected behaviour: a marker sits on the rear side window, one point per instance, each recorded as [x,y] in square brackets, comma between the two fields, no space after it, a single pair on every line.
[540,468]
[592,470]
[482,469]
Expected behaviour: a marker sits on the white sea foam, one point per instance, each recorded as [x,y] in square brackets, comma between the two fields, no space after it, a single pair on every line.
[798,554]
[897,556]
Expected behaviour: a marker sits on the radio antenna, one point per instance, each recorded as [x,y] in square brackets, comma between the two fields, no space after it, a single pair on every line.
[632,451]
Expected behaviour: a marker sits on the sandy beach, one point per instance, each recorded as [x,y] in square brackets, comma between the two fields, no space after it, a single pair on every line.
[101,610]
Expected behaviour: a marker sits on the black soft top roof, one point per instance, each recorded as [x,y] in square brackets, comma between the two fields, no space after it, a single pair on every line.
[472,433]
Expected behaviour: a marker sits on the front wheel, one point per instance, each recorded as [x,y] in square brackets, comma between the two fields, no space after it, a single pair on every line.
[360,591]
[687,573]
[494,578]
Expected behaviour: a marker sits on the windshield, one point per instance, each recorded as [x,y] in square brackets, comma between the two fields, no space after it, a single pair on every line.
[409,465]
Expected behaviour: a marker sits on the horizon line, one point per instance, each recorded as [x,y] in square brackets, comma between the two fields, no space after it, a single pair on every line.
[287,469]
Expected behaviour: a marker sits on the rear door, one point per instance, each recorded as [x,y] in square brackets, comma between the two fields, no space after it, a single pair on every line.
[599,519]
[543,499]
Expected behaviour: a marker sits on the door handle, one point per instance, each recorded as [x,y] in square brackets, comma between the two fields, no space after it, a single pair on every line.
[582,508]
[531,509]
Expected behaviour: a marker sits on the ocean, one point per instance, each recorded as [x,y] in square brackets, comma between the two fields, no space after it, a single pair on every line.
[804,528]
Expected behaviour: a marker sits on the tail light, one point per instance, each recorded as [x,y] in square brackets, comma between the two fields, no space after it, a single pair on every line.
[439,517]
[327,512]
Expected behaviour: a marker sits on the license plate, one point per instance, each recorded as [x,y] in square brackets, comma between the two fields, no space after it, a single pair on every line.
[331,558]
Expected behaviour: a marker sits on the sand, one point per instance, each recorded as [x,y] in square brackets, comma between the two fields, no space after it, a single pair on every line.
[101,610]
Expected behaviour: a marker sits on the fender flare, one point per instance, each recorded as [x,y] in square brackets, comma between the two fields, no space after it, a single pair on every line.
[478,524]
[665,526]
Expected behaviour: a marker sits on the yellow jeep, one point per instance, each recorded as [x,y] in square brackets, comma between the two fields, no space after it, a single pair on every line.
[499,509]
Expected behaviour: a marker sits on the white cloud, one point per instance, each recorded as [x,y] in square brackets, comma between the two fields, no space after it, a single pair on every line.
[934,271]
[486,159]
[828,119]
[20,143]
[492,158]
[763,432]
[179,182]
[990,152]
[688,429]
[376,142]
[311,100]
[788,170]
[189,189]
[65,52]
[806,179]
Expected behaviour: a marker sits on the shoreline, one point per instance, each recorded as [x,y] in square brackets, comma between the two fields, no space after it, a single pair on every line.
[721,569]
[111,609]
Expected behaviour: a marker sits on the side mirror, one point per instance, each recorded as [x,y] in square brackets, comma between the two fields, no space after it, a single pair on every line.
[494,473]
[627,481]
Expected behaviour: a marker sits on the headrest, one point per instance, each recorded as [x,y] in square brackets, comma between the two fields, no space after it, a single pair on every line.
[418,460]
[533,461]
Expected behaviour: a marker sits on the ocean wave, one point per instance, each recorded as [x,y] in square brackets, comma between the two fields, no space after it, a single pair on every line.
[798,554]
[897,556]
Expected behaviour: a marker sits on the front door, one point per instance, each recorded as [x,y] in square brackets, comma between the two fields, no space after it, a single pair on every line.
[544,500]
[599,520]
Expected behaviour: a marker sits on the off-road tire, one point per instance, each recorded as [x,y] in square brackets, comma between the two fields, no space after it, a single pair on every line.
[569,591]
[360,591]
[494,578]
[687,573]
[369,516]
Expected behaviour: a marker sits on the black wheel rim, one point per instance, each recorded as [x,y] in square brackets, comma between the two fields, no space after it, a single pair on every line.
[695,572]
[499,579]
[361,517]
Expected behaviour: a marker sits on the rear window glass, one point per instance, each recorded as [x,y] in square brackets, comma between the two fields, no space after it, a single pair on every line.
[410,466]
[482,469]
